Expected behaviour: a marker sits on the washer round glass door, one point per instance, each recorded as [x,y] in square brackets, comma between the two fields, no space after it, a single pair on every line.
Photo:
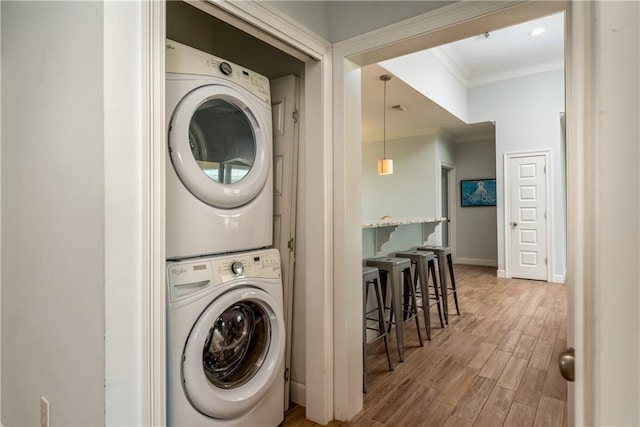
[219,146]
[233,353]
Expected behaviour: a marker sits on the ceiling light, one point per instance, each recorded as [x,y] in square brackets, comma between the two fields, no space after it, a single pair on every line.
[483,36]
[537,31]
[385,166]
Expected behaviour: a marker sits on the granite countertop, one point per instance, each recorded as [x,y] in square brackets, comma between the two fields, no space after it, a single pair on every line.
[394,222]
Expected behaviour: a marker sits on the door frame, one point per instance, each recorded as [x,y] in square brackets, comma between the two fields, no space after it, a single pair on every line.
[319,84]
[443,25]
[271,26]
[506,212]
[451,199]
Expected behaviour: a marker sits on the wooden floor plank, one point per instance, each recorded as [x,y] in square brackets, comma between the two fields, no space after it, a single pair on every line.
[525,347]
[436,415]
[510,341]
[472,402]
[495,364]
[520,416]
[496,408]
[530,388]
[550,412]
[541,355]
[554,385]
[483,352]
[512,374]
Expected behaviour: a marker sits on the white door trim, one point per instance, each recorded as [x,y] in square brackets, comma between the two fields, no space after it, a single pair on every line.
[451,188]
[507,205]
[153,230]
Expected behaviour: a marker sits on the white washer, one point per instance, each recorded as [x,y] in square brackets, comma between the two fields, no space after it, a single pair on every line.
[226,341]
[219,192]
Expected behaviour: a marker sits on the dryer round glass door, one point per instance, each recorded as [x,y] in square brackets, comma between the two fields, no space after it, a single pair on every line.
[233,353]
[220,146]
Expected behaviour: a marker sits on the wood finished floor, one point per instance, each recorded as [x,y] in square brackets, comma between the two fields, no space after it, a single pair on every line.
[495,364]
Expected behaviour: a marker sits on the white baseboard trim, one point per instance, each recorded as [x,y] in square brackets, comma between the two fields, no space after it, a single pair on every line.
[502,274]
[298,393]
[559,278]
[473,261]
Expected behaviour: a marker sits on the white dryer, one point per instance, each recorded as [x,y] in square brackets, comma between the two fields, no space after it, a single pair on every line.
[226,341]
[219,192]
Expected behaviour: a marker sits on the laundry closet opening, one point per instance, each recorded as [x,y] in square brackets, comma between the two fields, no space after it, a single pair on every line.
[195,26]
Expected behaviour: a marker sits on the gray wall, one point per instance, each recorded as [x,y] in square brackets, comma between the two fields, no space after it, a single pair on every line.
[339,20]
[53,321]
[476,227]
[527,115]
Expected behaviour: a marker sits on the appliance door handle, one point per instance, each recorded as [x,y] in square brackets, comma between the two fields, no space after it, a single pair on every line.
[187,288]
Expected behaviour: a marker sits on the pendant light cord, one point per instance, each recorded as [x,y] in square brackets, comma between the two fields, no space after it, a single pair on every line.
[385,78]
[384,122]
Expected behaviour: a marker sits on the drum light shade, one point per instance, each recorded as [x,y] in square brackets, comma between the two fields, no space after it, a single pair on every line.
[385,167]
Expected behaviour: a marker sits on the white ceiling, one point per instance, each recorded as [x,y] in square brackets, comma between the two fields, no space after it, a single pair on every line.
[506,53]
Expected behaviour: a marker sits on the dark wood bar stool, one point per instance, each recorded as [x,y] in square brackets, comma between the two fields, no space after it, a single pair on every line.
[443,255]
[395,272]
[424,263]
[371,278]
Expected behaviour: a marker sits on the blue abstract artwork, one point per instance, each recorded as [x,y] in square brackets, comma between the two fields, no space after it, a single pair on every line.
[478,192]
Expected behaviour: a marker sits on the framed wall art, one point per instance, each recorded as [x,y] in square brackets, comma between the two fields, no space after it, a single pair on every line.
[478,192]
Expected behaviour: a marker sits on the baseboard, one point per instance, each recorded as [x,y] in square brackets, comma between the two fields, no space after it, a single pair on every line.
[559,278]
[473,261]
[298,393]
[502,274]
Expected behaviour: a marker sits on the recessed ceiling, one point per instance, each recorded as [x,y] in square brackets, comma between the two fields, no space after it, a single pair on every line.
[505,53]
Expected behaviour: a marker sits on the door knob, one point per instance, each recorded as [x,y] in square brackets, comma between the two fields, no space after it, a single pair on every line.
[567,364]
[513,224]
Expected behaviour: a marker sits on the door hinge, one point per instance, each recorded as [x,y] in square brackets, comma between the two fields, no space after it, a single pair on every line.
[291,245]
[545,215]
[545,169]
[294,115]
[545,261]
[286,374]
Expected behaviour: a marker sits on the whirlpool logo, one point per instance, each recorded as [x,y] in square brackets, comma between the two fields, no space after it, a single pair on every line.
[178,271]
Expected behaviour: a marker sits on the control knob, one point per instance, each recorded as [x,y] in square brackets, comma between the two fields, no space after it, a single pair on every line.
[225,68]
[237,267]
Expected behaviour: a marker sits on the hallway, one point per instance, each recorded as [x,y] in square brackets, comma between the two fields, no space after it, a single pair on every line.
[495,364]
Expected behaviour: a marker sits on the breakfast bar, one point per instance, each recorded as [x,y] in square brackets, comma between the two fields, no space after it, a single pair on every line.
[384,229]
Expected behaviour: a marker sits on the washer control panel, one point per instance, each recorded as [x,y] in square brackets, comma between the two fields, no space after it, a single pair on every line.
[185,278]
[263,264]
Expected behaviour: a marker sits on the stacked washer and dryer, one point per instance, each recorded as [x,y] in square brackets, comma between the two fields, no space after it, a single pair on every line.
[225,322]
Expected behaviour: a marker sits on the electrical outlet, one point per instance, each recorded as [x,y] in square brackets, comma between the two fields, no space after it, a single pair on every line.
[44,412]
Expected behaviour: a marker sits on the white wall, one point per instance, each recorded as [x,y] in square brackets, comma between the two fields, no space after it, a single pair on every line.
[476,240]
[123,228]
[53,319]
[426,74]
[411,191]
[527,115]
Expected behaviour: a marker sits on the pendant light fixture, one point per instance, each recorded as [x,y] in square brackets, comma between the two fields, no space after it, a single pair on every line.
[385,166]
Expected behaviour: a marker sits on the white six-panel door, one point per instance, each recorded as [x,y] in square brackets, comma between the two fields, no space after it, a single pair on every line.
[284,94]
[527,222]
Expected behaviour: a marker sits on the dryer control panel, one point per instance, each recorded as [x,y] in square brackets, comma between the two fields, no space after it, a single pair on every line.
[184,59]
